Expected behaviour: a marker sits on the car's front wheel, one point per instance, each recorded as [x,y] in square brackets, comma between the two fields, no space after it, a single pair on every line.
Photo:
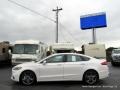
[90,77]
[27,78]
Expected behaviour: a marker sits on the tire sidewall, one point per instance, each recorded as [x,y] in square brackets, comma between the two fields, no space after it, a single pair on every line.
[22,74]
[93,71]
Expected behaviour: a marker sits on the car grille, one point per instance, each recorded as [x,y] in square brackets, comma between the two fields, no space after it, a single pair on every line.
[117,57]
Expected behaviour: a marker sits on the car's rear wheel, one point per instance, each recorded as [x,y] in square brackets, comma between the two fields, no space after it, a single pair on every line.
[27,78]
[90,77]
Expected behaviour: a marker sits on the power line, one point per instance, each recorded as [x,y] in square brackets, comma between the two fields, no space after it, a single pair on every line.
[63,36]
[69,32]
[31,10]
[65,29]
[57,10]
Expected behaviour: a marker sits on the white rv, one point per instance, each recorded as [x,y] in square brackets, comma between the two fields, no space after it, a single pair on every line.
[62,48]
[27,51]
[95,50]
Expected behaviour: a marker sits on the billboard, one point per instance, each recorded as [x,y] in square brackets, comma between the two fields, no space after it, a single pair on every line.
[96,20]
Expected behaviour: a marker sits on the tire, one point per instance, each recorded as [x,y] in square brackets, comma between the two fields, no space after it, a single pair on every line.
[113,64]
[27,78]
[90,77]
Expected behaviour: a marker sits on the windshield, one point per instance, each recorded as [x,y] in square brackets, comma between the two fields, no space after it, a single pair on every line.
[116,51]
[25,49]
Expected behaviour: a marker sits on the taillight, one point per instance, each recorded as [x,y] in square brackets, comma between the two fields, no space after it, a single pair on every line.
[104,63]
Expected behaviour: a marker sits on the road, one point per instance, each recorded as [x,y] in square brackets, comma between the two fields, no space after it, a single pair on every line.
[112,82]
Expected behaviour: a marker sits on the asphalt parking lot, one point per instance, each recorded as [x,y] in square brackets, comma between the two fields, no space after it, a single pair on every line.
[112,82]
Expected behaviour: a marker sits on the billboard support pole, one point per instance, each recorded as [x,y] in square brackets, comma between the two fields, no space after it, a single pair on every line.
[94,35]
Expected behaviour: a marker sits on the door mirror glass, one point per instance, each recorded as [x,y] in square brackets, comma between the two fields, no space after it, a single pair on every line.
[37,51]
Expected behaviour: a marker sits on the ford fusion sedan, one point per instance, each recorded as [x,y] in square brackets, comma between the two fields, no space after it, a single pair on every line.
[61,67]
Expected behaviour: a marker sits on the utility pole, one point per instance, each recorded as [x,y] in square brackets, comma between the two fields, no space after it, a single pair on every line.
[57,10]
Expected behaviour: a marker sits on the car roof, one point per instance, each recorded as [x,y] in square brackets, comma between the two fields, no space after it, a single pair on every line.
[63,54]
[70,54]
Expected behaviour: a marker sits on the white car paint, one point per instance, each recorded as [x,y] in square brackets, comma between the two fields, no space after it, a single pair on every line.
[63,70]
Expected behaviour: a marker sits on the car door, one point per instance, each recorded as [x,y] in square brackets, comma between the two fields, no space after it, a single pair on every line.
[74,67]
[53,69]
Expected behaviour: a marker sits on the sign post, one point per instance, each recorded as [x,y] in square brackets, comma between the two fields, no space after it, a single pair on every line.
[94,35]
[93,21]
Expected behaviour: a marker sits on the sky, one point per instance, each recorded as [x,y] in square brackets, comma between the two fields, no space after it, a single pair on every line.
[18,23]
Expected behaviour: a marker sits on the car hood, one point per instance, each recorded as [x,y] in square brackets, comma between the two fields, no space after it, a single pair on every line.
[28,64]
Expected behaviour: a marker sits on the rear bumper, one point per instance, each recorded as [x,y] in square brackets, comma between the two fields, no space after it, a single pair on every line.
[103,74]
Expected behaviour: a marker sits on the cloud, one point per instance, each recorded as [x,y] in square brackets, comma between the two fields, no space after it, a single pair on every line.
[18,23]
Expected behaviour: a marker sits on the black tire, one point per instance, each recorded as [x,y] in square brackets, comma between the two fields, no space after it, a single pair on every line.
[27,78]
[90,77]
[113,64]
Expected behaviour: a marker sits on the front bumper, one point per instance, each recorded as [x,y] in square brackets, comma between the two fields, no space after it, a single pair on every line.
[15,75]
[116,60]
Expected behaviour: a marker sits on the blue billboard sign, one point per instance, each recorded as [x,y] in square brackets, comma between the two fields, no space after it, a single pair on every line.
[97,20]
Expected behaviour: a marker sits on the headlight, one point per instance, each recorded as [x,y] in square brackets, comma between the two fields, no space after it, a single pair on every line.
[17,68]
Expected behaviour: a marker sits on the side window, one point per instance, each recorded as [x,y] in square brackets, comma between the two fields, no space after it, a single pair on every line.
[71,58]
[76,58]
[3,50]
[79,58]
[85,58]
[56,59]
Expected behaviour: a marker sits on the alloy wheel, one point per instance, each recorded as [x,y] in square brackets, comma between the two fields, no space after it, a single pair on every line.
[91,77]
[27,78]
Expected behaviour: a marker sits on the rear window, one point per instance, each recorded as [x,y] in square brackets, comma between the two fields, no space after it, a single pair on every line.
[85,58]
[76,58]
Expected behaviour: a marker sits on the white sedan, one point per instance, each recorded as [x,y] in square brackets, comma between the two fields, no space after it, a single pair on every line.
[61,67]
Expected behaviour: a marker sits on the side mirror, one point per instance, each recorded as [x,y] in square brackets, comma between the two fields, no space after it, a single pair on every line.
[37,51]
[9,51]
[44,62]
